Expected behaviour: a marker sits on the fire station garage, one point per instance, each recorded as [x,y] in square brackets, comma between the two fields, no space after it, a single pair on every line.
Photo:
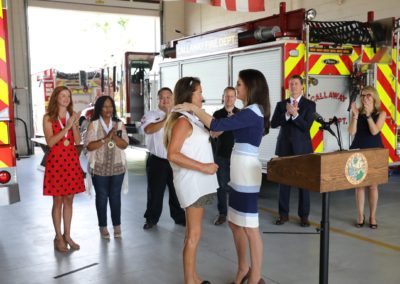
[337,47]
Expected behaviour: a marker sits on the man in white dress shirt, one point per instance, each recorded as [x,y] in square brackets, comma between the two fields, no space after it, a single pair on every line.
[158,169]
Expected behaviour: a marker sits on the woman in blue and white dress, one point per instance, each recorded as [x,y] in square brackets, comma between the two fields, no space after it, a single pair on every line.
[248,126]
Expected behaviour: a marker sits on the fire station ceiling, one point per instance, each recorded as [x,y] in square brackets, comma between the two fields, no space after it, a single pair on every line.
[142,7]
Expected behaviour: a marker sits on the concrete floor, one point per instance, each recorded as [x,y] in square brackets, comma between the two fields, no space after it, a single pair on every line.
[154,256]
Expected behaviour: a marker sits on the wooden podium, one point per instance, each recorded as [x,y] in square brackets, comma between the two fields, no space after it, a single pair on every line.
[327,172]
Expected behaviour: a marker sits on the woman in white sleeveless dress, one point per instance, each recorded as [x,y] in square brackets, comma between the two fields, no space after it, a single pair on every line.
[189,152]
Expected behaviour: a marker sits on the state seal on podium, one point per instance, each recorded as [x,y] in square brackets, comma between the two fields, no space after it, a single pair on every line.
[356,168]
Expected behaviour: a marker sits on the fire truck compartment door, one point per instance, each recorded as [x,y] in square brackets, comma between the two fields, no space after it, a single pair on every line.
[269,62]
[213,73]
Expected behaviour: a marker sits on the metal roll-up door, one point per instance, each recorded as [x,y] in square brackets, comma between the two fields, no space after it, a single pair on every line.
[268,62]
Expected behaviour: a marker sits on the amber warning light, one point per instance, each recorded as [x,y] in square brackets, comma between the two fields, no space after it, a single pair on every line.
[4,177]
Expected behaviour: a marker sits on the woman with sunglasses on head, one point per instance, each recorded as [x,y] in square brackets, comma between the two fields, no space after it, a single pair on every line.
[106,139]
[365,125]
[63,176]
[194,171]
[248,127]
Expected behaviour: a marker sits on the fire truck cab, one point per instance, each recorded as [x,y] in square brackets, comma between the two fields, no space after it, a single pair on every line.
[9,189]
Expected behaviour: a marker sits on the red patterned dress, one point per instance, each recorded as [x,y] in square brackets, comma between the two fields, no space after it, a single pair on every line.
[63,172]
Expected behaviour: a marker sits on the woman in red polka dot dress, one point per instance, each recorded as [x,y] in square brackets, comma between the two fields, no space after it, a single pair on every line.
[63,176]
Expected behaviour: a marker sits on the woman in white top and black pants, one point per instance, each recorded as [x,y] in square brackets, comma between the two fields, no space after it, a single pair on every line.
[195,180]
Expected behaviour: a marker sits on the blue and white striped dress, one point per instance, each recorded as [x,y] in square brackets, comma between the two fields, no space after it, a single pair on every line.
[248,128]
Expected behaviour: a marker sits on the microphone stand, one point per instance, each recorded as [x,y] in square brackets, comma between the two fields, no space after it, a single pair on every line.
[324,225]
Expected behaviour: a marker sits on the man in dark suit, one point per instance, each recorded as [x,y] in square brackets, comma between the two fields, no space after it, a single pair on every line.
[294,116]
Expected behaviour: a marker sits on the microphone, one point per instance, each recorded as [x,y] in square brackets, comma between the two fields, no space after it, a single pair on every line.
[318,118]
[324,125]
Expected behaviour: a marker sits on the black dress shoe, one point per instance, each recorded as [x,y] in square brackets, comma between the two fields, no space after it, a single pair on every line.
[281,220]
[304,222]
[148,225]
[220,220]
[206,282]
[181,223]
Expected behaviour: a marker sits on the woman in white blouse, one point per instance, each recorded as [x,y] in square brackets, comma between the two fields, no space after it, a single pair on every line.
[189,151]
[106,139]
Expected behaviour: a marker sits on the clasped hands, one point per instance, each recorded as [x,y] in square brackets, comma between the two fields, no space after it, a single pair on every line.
[73,121]
[292,110]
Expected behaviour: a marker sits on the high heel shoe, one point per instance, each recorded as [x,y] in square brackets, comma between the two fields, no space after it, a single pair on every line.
[60,245]
[373,226]
[261,281]
[71,243]
[360,225]
[117,232]
[245,278]
[104,233]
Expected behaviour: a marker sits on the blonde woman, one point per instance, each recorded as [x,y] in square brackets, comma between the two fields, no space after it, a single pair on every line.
[194,170]
[365,125]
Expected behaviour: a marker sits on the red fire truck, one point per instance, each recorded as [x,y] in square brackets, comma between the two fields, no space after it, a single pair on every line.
[335,58]
[84,86]
[9,190]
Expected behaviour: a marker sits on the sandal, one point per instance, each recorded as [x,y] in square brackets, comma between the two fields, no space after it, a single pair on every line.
[60,245]
[71,243]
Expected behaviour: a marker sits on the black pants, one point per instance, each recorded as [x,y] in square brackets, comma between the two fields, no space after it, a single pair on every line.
[159,175]
[284,198]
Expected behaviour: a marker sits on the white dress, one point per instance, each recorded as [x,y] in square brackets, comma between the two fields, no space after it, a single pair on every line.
[190,185]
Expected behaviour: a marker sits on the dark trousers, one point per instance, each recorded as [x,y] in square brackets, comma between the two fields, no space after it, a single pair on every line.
[108,188]
[223,176]
[159,175]
[284,198]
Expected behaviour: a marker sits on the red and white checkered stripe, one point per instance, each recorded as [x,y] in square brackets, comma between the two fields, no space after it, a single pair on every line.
[241,5]
[235,5]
